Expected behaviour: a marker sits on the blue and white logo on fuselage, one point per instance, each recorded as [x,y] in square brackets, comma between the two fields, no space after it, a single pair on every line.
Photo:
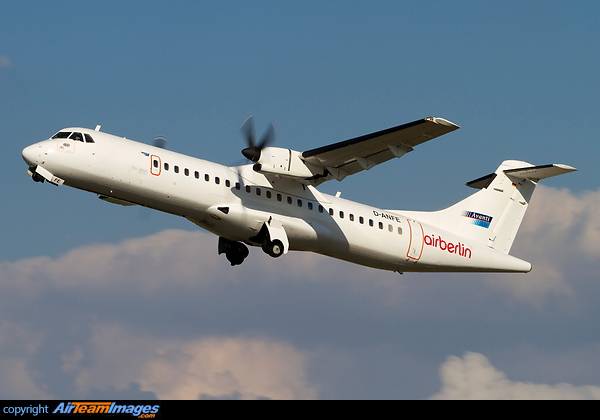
[479,219]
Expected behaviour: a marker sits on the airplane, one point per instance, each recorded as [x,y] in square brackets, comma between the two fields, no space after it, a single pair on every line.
[273,202]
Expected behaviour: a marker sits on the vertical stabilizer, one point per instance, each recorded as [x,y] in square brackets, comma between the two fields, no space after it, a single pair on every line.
[493,215]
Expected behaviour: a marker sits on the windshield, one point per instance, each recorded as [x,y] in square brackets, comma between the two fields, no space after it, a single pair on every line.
[73,135]
[61,135]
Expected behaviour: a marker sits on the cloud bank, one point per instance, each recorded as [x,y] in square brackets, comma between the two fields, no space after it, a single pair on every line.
[474,378]
[164,317]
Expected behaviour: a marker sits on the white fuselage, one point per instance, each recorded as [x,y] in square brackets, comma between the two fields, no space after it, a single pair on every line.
[234,202]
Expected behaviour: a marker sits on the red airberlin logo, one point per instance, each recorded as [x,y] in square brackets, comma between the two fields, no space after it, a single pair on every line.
[453,248]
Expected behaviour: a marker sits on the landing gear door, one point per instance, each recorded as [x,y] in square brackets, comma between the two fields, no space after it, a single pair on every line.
[415,246]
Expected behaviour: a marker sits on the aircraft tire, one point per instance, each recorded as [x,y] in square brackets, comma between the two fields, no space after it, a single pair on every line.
[236,252]
[37,177]
[273,248]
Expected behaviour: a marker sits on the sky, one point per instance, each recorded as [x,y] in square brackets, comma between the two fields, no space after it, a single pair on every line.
[102,301]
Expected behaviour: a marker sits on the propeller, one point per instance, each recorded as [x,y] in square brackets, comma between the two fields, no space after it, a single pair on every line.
[160,141]
[252,152]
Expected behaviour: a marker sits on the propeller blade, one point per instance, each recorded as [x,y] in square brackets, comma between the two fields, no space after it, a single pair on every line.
[268,137]
[252,152]
[247,128]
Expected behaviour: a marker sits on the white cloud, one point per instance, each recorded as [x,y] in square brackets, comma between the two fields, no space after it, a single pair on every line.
[208,367]
[220,367]
[474,378]
[560,236]
[17,349]
[168,270]
[164,314]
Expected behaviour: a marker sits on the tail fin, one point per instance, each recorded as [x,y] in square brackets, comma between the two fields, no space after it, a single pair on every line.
[493,215]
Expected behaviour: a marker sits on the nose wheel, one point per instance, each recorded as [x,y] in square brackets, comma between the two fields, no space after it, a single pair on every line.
[34,175]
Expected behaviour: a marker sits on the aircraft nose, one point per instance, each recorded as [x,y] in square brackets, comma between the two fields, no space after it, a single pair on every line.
[31,154]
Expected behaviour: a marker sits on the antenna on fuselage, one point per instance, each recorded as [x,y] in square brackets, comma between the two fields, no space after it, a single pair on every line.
[160,141]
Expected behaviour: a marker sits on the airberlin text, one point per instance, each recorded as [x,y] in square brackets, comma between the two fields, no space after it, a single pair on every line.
[454,248]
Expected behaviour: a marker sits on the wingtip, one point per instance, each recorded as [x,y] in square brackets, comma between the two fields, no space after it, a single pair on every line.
[566,168]
[443,121]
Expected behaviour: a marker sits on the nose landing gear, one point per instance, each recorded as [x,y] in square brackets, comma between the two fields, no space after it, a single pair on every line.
[34,175]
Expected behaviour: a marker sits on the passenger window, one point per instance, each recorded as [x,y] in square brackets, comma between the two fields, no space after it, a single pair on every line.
[361,220]
[196,174]
[176,169]
[248,188]
[268,194]
[289,200]
[279,197]
[331,212]
[299,203]
[166,165]
[310,205]
[155,163]
[371,222]
[390,228]
[341,214]
[88,138]
[399,230]
[227,183]
[321,208]
[258,191]
[186,171]
[238,186]
[380,225]
[217,180]
[206,177]
[351,218]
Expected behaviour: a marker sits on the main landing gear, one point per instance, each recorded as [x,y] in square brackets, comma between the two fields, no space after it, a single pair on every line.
[271,237]
[236,252]
[273,248]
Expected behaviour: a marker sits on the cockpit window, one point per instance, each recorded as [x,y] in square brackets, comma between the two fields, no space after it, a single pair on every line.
[76,137]
[62,135]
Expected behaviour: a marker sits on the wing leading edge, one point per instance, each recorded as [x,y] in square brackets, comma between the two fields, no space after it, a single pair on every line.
[362,153]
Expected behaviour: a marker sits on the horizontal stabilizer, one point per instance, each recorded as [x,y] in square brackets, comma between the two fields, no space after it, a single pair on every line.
[534,173]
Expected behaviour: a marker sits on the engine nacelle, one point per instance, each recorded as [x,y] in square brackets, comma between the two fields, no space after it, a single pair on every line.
[286,163]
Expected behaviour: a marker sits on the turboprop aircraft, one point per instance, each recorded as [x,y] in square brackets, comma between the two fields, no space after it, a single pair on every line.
[274,203]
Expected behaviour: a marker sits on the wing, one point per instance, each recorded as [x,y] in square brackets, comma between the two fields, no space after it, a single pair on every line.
[362,153]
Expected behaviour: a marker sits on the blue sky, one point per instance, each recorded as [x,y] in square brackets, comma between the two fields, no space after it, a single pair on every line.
[520,78]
